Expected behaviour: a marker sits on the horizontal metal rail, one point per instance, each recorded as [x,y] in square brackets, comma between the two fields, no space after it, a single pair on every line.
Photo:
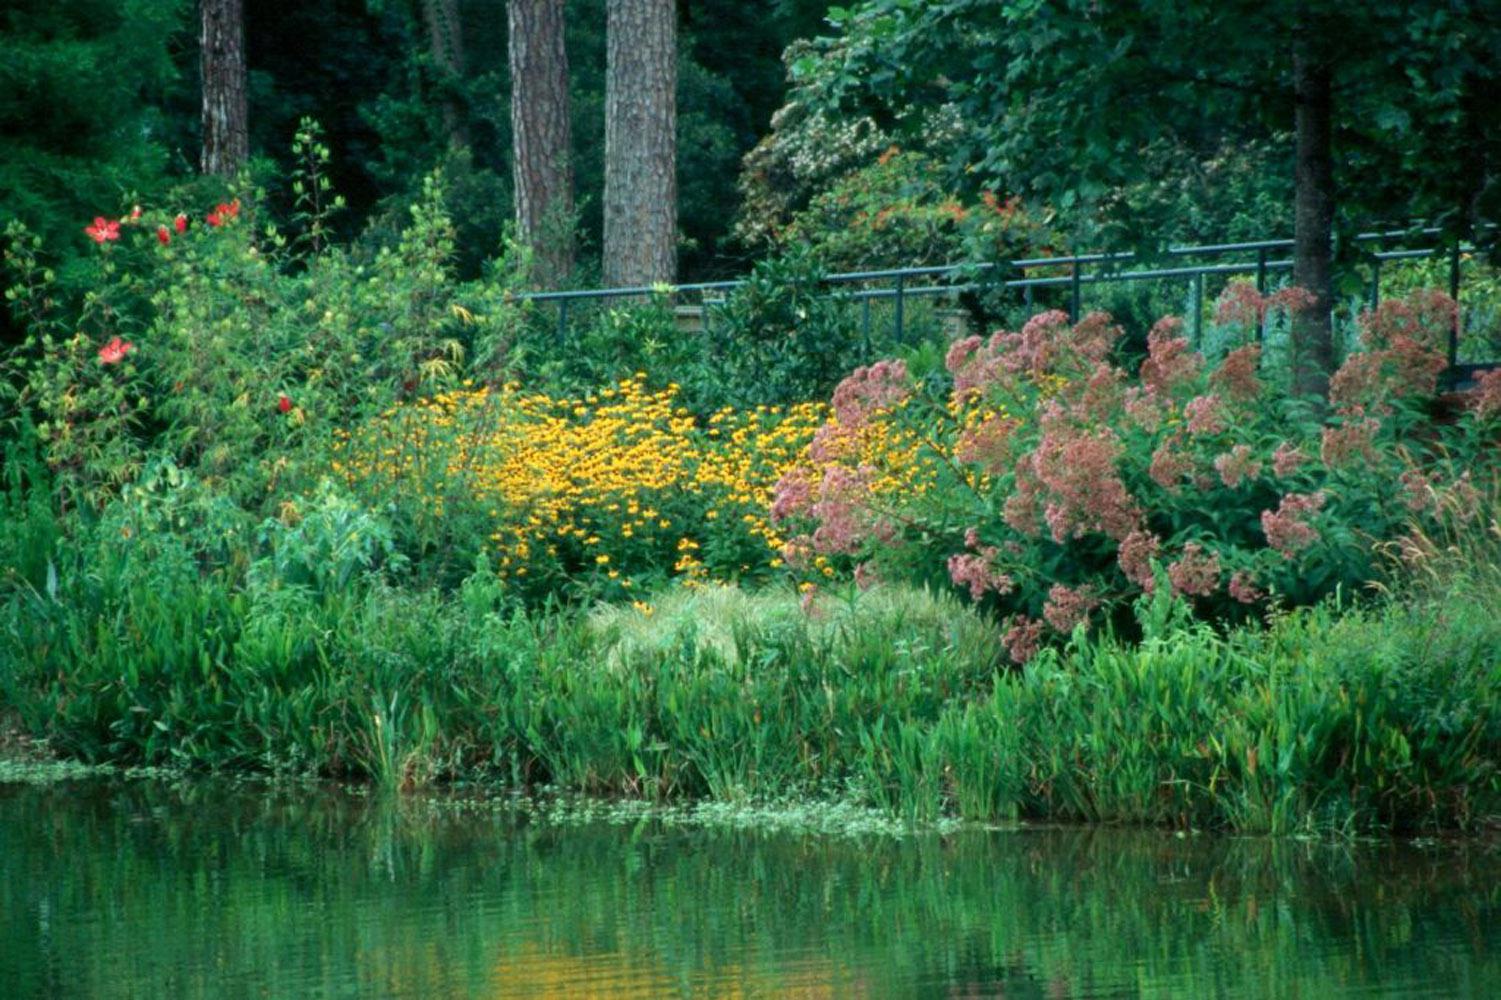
[1079,270]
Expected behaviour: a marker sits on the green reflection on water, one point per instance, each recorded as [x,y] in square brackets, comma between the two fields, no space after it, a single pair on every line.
[114,888]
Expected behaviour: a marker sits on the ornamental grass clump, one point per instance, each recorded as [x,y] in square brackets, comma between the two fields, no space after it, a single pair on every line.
[1053,482]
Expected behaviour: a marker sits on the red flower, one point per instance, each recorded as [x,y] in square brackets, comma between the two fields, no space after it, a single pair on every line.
[223,212]
[283,403]
[103,229]
[135,213]
[180,223]
[114,351]
[162,236]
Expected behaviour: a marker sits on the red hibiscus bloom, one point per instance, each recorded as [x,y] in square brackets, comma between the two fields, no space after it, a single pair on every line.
[214,218]
[162,236]
[114,351]
[283,403]
[103,229]
[180,223]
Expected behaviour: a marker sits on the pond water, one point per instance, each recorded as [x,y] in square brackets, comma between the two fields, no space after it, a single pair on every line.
[114,888]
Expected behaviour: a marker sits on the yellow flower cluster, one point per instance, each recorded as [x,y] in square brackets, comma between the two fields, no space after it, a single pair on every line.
[613,486]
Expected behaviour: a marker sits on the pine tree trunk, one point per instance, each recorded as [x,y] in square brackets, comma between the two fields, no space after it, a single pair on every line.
[541,133]
[226,137]
[1313,216]
[446,40]
[640,205]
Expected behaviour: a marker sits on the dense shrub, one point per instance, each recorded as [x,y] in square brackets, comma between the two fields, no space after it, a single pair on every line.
[236,347]
[1052,483]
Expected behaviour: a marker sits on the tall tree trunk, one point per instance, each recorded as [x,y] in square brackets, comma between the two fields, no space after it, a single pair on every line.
[226,136]
[640,208]
[1313,218]
[446,40]
[541,133]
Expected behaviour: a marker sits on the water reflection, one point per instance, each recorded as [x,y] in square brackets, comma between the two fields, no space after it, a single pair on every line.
[132,889]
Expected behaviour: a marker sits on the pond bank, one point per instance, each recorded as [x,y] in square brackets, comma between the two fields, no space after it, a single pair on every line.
[1325,722]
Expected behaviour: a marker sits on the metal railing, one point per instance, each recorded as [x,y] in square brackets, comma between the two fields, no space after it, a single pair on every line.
[1261,258]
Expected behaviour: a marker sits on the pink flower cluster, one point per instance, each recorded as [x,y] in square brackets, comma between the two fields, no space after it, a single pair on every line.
[1287,529]
[1237,375]
[1023,639]
[1195,573]
[1424,316]
[1352,437]
[1171,363]
[1485,398]
[844,520]
[792,494]
[1418,492]
[1236,465]
[1286,459]
[1170,465]
[1404,351]
[1243,588]
[1068,607]
[976,570]
[988,443]
[1206,415]
[869,390]
[1083,487]
[1135,556]
[1047,344]
[839,503]
[975,365]
[1241,304]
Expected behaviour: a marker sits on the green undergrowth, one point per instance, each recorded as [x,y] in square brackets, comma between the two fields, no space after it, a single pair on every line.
[1340,718]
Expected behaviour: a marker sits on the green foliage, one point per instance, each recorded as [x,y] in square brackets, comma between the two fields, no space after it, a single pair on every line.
[329,544]
[604,344]
[82,123]
[241,350]
[1031,82]
[780,337]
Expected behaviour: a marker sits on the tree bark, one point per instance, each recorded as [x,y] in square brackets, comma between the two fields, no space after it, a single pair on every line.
[640,203]
[226,136]
[1313,215]
[541,137]
[446,41]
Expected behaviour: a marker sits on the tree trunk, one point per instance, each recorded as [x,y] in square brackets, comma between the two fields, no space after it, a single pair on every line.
[640,207]
[541,133]
[226,137]
[446,39]
[1313,220]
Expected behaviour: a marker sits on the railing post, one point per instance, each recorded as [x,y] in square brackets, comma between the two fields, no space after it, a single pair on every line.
[1073,301]
[865,324]
[1261,290]
[900,283]
[1454,294]
[562,322]
[1198,286]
